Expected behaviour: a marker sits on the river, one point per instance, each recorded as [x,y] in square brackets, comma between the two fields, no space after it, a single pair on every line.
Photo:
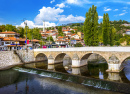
[41,78]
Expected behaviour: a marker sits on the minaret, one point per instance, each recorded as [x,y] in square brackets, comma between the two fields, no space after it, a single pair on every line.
[43,26]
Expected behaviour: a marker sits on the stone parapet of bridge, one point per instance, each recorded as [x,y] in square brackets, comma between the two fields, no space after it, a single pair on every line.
[79,55]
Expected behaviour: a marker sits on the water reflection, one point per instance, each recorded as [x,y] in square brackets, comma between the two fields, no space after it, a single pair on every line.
[83,71]
[51,67]
[8,77]
[114,77]
[126,70]
[98,70]
[94,69]
[25,83]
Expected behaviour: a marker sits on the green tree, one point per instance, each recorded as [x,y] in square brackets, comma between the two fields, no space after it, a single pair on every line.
[72,31]
[112,36]
[60,31]
[50,38]
[2,28]
[91,27]
[106,29]
[36,34]
[78,45]
[21,31]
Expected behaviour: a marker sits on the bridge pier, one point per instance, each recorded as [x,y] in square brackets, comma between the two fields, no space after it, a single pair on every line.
[113,68]
[113,64]
[76,71]
[51,61]
[51,67]
[114,77]
[75,63]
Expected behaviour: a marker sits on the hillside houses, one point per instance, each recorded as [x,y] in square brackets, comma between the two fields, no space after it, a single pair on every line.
[10,40]
[63,41]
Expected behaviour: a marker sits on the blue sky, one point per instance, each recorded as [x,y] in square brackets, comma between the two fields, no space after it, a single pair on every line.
[58,12]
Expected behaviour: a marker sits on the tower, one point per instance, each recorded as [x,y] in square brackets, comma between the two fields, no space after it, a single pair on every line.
[43,26]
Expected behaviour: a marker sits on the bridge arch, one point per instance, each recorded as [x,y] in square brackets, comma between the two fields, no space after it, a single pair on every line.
[41,57]
[59,57]
[63,62]
[124,63]
[85,57]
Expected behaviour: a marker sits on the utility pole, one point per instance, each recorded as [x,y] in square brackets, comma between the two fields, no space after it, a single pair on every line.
[16,40]
[26,31]
[32,41]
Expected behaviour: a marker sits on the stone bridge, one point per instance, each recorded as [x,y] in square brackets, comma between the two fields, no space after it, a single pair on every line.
[114,56]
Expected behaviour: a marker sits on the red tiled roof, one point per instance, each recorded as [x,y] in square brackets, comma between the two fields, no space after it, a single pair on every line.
[35,40]
[65,30]
[44,35]
[10,39]
[6,39]
[21,39]
[8,32]
[77,39]
[60,37]
[73,34]
[13,45]
[53,34]
[60,40]
[48,32]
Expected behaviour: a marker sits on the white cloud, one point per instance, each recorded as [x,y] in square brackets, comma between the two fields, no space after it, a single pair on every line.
[100,17]
[107,9]
[52,1]
[115,10]
[47,24]
[78,2]
[125,7]
[95,2]
[124,10]
[31,24]
[71,19]
[122,14]
[72,1]
[48,14]
[60,5]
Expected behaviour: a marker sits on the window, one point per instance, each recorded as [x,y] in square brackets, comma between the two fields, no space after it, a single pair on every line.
[7,42]
[2,43]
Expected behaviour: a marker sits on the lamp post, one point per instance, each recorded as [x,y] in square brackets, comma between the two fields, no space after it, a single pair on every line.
[32,41]
[26,31]
[16,40]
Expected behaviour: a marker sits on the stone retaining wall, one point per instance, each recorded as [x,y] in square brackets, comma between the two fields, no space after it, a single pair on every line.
[8,58]
[27,56]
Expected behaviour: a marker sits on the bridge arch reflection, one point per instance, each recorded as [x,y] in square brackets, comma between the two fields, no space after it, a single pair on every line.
[41,57]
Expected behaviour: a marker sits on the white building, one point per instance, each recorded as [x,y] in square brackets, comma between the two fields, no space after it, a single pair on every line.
[75,36]
[9,34]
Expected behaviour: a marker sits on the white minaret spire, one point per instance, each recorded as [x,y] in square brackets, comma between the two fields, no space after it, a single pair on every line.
[43,26]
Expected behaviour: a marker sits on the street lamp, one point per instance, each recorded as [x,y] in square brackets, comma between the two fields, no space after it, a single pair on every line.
[16,40]
[26,31]
[32,41]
